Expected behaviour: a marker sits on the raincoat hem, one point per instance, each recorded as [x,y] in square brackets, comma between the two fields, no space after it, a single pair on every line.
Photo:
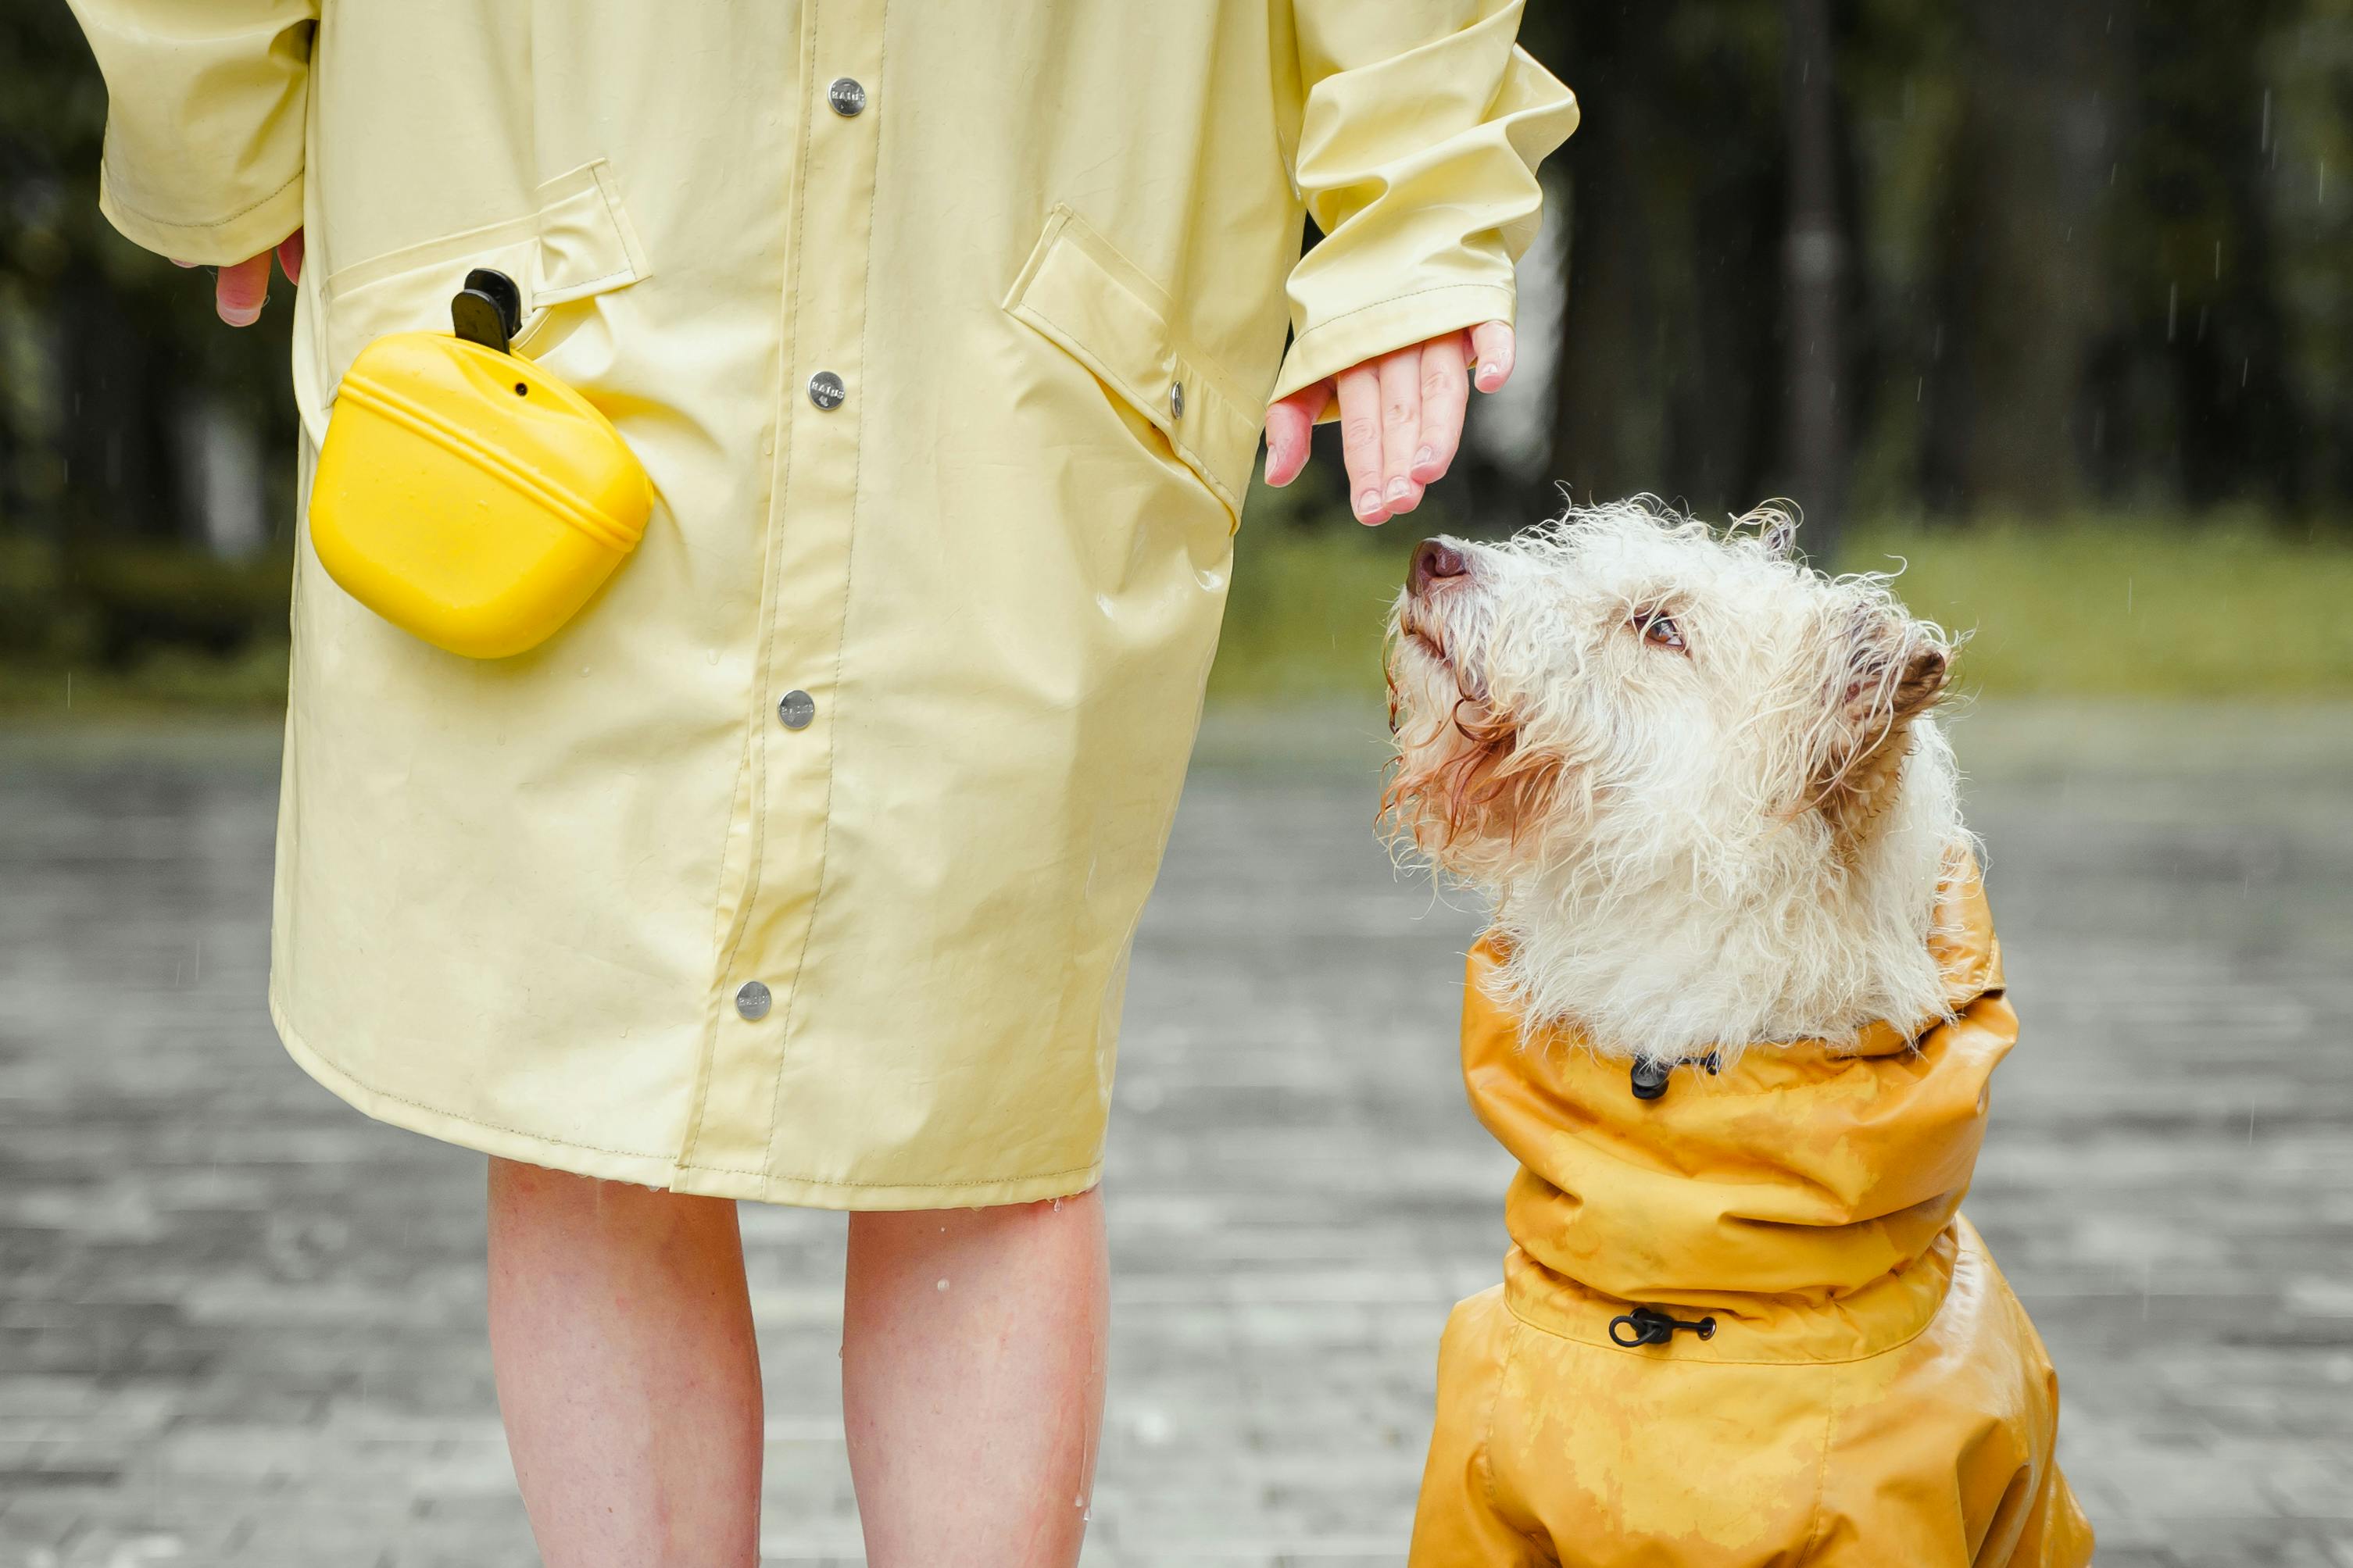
[664,1171]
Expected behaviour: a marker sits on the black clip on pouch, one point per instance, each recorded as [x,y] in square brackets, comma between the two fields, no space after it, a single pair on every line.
[487,311]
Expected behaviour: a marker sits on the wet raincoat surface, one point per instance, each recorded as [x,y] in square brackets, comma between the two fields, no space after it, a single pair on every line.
[1873,1394]
[803,865]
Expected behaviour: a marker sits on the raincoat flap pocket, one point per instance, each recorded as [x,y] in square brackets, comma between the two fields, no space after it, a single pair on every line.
[587,243]
[1103,311]
[576,242]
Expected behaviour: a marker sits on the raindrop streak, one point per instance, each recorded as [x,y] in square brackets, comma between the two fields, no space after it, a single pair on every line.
[2172,309]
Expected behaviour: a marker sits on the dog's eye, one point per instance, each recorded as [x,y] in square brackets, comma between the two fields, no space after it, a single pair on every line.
[1658,629]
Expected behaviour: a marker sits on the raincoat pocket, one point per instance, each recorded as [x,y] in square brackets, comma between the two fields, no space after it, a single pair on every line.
[576,243]
[467,495]
[1104,311]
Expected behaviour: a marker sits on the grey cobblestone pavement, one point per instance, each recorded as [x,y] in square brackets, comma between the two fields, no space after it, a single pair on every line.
[239,1323]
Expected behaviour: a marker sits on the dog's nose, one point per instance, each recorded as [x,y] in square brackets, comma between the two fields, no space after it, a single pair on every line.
[1434,559]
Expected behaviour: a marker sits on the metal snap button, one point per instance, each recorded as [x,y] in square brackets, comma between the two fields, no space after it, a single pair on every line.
[1176,400]
[847,97]
[795,709]
[826,390]
[752,1000]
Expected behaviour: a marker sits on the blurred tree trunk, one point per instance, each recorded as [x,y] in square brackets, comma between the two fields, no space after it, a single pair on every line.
[1675,197]
[114,433]
[2192,378]
[2019,297]
[1606,414]
[1814,265]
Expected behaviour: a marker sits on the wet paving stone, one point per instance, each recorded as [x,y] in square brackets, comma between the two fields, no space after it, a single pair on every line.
[240,1324]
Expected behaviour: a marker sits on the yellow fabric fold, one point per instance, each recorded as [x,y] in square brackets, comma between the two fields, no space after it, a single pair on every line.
[1801,1193]
[1416,157]
[1868,1390]
[205,158]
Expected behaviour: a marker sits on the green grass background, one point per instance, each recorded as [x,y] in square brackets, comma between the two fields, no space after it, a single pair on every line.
[2096,606]
[2100,606]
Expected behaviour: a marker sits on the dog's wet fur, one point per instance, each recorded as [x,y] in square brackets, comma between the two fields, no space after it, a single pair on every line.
[1698,783]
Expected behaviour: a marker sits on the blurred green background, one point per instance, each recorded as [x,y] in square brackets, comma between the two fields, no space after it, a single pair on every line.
[2052,305]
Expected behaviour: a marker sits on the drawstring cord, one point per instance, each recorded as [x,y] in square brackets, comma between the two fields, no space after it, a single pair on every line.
[1652,1327]
[1651,1077]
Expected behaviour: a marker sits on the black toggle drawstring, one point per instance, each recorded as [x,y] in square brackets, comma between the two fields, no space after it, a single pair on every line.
[1651,1077]
[1652,1327]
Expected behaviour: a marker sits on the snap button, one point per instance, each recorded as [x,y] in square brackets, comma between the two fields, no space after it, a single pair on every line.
[795,709]
[846,96]
[826,390]
[1176,400]
[752,1000]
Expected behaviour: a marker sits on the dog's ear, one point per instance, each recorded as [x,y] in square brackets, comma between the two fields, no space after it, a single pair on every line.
[1892,670]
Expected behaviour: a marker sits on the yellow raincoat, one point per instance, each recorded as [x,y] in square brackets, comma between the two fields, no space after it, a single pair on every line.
[802,866]
[1871,1395]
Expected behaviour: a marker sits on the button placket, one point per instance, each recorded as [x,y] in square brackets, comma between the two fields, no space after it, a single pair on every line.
[805,586]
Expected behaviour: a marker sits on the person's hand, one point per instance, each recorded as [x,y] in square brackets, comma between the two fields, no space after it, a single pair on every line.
[239,291]
[1400,417]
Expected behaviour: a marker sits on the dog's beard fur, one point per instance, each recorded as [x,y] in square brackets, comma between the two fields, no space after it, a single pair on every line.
[1688,849]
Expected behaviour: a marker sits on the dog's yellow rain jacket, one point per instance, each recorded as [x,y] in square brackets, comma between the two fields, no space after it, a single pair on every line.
[1871,1393]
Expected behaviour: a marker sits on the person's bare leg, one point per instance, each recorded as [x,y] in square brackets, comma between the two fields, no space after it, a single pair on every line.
[972,1377]
[621,1338]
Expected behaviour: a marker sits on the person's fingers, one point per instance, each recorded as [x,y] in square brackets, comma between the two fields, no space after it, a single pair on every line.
[185,265]
[240,290]
[1360,440]
[1495,349]
[1290,431]
[289,257]
[1445,391]
[1400,428]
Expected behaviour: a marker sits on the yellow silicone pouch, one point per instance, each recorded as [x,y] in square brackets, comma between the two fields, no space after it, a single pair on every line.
[470,498]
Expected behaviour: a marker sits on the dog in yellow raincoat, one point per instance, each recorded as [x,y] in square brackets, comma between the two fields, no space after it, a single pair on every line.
[1736,1017]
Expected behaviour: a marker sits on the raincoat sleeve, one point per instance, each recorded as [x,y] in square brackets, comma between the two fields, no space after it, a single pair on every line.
[1420,132]
[207,102]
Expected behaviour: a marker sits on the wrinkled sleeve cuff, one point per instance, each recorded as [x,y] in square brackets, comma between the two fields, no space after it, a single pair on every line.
[1370,331]
[211,242]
